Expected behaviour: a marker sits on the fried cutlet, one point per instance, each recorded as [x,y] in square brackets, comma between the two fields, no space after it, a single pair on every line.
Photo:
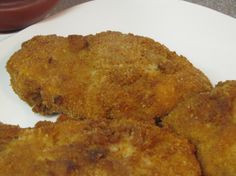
[7,133]
[208,120]
[97,148]
[109,75]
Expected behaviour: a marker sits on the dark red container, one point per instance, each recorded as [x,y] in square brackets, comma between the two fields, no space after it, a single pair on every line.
[18,14]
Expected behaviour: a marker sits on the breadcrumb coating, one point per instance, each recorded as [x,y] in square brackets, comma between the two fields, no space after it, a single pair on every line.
[73,147]
[208,120]
[108,75]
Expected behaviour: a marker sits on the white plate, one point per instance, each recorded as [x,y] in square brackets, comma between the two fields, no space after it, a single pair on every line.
[206,37]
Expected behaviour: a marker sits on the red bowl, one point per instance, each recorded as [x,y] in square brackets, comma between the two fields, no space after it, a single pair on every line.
[18,14]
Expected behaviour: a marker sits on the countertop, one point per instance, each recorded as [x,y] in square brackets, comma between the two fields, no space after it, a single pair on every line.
[224,6]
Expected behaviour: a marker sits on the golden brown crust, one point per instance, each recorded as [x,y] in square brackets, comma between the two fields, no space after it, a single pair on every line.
[209,121]
[109,75]
[98,148]
[7,134]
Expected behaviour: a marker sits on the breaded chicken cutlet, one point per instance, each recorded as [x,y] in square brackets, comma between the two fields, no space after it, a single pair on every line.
[109,75]
[208,120]
[72,147]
